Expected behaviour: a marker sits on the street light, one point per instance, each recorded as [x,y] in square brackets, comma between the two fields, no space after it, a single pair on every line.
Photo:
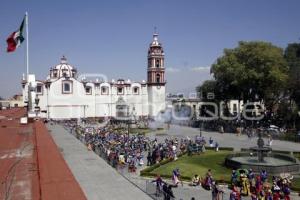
[200,127]
[200,130]
[36,108]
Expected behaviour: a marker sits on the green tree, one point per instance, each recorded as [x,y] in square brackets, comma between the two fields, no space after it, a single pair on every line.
[208,86]
[292,56]
[252,71]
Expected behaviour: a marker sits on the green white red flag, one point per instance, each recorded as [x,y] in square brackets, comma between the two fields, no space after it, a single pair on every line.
[16,38]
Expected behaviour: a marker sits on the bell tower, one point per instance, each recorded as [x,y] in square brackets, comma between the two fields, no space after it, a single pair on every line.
[156,77]
[156,68]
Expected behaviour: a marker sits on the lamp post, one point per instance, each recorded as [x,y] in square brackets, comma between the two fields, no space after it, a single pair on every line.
[36,108]
[48,83]
[200,127]
[128,121]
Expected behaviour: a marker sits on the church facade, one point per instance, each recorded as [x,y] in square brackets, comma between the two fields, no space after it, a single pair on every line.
[65,94]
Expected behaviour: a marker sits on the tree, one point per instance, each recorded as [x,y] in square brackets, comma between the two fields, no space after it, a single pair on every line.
[292,56]
[252,71]
[208,86]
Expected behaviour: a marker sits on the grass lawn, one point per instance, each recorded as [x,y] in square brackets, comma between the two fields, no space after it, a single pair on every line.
[198,164]
[296,182]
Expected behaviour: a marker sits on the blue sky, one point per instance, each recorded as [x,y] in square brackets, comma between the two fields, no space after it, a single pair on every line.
[112,37]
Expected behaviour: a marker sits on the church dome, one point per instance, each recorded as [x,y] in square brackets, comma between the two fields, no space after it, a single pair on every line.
[63,69]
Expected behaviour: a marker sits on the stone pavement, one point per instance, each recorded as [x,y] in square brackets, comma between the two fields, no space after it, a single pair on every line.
[98,180]
[224,140]
[184,192]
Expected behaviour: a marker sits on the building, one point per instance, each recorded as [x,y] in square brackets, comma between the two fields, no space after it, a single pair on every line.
[15,101]
[66,94]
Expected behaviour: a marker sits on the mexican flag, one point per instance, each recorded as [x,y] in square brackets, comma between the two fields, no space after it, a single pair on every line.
[15,39]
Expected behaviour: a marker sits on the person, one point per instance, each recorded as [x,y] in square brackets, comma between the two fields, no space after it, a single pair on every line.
[174,152]
[268,195]
[195,181]
[270,140]
[245,185]
[253,196]
[258,185]
[221,129]
[276,194]
[264,175]
[234,177]
[159,184]
[234,194]
[168,193]
[206,184]
[217,146]
[251,177]
[149,159]
[190,149]
[211,142]
[176,177]
[286,192]
[214,191]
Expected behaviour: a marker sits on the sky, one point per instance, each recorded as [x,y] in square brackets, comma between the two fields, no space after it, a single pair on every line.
[112,37]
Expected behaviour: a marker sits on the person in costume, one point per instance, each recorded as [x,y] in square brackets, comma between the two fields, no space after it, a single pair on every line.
[234,194]
[245,185]
[234,178]
[276,193]
[264,175]
[258,185]
[176,177]
[286,192]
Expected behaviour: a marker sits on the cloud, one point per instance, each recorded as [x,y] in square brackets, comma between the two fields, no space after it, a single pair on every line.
[201,68]
[172,69]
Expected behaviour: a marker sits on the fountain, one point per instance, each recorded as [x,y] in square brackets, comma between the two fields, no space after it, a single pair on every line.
[260,150]
[262,157]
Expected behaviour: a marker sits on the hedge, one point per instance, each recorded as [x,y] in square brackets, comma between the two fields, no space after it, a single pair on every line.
[220,148]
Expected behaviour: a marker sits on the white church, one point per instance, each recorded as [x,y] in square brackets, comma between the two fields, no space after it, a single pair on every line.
[67,95]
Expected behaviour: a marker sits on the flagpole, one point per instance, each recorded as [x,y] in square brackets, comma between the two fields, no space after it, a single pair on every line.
[27,53]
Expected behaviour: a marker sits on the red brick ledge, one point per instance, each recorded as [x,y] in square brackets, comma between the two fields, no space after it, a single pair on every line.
[55,177]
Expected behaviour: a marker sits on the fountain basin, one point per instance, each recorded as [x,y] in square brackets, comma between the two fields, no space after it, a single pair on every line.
[274,163]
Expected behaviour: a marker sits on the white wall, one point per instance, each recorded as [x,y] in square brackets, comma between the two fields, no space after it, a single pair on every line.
[157,100]
[78,104]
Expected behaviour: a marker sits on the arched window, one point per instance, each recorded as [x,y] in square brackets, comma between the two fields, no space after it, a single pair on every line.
[157,78]
[157,63]
[120,90]
[67,87]
[136,90]
[104,90]
[88,90]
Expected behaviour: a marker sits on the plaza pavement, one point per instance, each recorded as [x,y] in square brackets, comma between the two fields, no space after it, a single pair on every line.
[224,140]
[79,160]
[98,180]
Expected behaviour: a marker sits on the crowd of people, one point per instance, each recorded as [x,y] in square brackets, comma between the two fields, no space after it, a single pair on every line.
[259,186]
[121,149]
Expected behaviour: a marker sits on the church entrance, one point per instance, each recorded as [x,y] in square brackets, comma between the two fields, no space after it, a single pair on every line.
[122,109]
